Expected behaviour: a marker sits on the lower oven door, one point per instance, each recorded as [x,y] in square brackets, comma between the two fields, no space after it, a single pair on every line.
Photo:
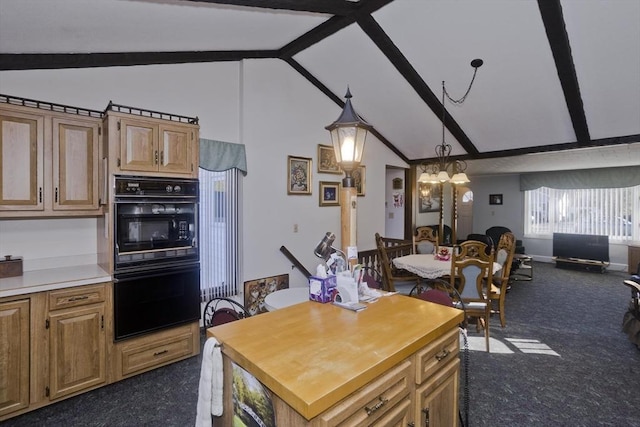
[151,300]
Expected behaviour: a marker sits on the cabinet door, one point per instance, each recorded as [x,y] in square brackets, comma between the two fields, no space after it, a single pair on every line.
[77,350]
[75,164]
[138,146]
[21,161]
[437,398]
[14,356]
[175,149]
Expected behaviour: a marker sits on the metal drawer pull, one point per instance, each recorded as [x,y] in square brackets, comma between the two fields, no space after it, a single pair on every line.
[72,299]
[159,353]
[377,406]
[444,353]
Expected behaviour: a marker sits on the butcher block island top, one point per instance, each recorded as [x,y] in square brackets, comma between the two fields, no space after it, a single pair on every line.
[313,355]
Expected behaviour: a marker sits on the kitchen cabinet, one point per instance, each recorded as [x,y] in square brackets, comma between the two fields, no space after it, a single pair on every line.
[136,355]
[395,363]
[50,163]
[77,339]
[53,344]
[152,146]
[14,356]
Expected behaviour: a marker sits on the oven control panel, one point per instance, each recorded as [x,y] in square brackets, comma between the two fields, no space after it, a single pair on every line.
[136,186]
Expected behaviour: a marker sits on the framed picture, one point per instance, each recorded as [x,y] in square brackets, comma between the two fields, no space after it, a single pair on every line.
[299,172]
[428,197]
[255,291]
[329,193]
[359,176]
[327,160]
[495,199]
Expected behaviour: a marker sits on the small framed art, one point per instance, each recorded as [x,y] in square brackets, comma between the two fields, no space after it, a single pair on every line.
[299,175]
[495,199]
[327,160]
[329,193]
[359,176]
[428,197]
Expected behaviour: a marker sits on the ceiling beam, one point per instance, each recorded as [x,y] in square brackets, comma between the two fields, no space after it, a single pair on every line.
[48,61]
[404,67]
[554,25]
[331,26]
[603,142]
[331,7]
[324,89]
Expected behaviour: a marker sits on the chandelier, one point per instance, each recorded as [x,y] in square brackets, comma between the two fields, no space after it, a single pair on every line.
[437,171]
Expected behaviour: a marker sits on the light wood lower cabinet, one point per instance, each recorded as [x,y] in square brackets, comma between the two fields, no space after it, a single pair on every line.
[58,344]
[77,340]
[137,355]
[14,356]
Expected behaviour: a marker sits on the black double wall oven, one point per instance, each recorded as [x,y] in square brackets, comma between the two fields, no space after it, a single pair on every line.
[156,256]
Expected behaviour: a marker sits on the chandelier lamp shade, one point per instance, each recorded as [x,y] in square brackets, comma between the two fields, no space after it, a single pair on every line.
[348,135]
[437,171]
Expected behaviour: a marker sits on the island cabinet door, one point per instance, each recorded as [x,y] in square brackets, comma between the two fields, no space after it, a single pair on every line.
[437,398]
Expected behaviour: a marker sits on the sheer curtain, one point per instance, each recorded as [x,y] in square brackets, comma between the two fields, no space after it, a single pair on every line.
[222,166]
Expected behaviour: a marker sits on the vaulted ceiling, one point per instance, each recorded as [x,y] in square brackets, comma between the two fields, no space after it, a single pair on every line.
[559,88]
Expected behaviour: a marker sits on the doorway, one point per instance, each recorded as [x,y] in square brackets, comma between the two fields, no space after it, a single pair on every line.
[397,201]
[465,212]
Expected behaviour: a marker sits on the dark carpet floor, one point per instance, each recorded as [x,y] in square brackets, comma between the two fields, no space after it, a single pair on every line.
[562,360]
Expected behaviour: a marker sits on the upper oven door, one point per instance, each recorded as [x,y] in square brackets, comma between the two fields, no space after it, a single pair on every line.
[151,232]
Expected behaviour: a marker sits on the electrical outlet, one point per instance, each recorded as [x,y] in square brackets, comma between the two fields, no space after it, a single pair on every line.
[295,228]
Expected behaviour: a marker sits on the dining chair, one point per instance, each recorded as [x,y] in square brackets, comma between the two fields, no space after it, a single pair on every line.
[474,249]
[484,239]
[504,256]
[394,279]
[425,240]
[469,276]
[223,310]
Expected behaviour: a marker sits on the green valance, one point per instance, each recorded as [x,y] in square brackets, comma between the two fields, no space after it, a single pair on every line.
[622,177]
[219,156]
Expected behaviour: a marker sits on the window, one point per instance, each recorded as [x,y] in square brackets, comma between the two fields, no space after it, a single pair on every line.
[601,211]
[219,233]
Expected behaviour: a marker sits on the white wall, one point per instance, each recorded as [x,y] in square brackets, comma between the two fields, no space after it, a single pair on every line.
[263,104]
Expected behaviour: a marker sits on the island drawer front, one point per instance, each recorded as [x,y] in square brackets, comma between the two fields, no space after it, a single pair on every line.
[371,402]
[398,416]
[77,296]
[437,354]
[148,355]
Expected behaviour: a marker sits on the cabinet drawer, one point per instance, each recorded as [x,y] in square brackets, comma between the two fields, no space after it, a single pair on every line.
[436,355]
[373,401]
[148,355]
[74,297]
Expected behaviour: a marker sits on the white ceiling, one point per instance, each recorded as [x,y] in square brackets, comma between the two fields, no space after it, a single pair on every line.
[393,55]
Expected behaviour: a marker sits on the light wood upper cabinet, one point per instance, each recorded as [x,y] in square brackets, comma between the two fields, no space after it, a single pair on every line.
[22,161]
[75,164]
[50,163]
[14,356]
[151,145]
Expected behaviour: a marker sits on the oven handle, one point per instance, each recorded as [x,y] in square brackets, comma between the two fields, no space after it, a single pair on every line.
[153,272]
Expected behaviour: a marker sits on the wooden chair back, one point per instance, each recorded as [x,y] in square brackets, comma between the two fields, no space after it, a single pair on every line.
[470,276]
[504,255]
[474,249]
[389,248]
[425,234]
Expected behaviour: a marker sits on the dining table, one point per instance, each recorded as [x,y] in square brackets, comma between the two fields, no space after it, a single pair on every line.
[429,266]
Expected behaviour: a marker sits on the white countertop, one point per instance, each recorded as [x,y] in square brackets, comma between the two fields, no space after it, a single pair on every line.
[52,278]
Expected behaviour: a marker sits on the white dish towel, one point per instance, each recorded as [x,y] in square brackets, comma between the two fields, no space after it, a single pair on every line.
[211,383]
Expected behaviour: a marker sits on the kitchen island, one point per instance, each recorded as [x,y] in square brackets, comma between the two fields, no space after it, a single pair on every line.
[395,362]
